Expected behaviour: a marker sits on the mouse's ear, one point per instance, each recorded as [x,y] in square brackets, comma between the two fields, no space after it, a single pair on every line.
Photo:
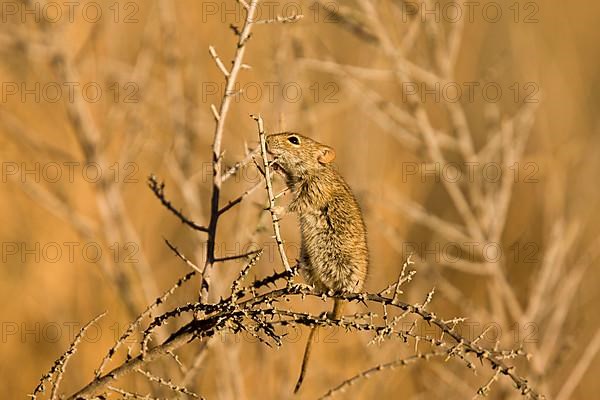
[326,155]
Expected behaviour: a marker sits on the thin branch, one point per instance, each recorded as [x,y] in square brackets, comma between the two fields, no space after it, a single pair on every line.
[237,257]
[216,148]
[281,20]
[159,192]
[178,254]
[581,368]
[218,61]
[133,325]
[379,368]
[60,364]
[346,20]
[239,199]
[240,164]
[166,383]
[270,193]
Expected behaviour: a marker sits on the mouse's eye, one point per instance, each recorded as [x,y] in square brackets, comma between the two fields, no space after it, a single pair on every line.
[295,140]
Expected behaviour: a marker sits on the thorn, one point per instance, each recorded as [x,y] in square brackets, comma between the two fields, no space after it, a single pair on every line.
[235,29]
[215,112]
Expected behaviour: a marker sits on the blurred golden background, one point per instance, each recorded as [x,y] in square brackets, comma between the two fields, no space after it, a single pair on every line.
[124,89]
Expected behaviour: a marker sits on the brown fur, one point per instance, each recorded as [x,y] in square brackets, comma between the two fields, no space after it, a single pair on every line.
[334,255]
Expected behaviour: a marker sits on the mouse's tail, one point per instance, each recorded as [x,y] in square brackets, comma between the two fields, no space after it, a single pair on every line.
[307,352]
[335,314]
[338,305]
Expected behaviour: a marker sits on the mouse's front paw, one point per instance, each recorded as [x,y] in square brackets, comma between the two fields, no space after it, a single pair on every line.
[278,211]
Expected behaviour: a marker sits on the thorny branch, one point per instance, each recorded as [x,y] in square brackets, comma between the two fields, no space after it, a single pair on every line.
[220,118]
[270,193]
[258,312]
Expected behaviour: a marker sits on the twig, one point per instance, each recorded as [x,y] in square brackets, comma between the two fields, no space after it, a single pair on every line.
[269,186]
[178,254]
[230,79]
[60,364]
[378,368]
[580,369]
[281,20]
[240,164]
[237,257]
[133,325]
[159,192]
[166,383]
[239,199]
[130,395]
[219,63]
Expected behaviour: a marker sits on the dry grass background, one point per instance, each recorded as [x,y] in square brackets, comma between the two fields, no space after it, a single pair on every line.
[168,60]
